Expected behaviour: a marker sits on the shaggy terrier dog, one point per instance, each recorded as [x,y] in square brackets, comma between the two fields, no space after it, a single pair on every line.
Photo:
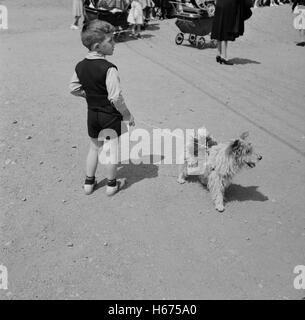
[223,162]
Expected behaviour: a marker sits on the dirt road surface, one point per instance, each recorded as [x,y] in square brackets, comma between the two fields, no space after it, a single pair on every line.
[156,239]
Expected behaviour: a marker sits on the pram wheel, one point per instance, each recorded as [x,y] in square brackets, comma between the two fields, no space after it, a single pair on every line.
[192,39]
[201,43]
[179,38]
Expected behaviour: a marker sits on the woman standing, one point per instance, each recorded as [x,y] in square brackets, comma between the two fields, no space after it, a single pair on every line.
[228,24]
[77,12]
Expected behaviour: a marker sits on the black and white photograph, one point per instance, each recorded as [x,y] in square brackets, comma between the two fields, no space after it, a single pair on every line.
[152,150]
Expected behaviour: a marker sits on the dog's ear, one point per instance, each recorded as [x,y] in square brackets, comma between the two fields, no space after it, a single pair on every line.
[244,135]
[235,145]
[202,132]
[210,141]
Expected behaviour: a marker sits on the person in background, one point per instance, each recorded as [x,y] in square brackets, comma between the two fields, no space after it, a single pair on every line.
[258,3]
[165,9]
[145,4]
[271,3]
[77,12]
[228,24]
[298,7]
[135,18]
[152,10]
[274,3]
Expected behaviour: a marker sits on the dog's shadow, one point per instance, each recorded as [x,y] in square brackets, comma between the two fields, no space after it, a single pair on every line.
[236,192]
[134,172]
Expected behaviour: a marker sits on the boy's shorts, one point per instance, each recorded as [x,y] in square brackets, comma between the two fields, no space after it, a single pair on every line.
[97,121]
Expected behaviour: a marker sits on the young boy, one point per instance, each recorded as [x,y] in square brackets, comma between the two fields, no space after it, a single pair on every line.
[97,80]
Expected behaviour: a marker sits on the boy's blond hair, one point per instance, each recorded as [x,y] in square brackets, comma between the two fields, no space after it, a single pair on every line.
[95,31]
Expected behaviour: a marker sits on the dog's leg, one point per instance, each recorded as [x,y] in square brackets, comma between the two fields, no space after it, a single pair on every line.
[204,178]
[182,173]
[216,188]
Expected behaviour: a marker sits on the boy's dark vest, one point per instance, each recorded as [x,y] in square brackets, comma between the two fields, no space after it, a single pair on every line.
[92,76]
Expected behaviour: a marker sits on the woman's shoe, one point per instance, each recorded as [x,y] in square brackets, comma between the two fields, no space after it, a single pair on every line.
[227,62]
[218,59]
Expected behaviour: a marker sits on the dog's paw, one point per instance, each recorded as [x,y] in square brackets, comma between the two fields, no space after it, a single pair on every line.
[181,180]
[220,208]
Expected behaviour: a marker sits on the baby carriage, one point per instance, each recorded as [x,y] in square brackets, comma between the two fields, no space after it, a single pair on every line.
[194,18]
[112,11]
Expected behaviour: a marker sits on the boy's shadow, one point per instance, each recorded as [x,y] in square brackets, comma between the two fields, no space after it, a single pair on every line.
[136,172]
[243,61]
[236,192]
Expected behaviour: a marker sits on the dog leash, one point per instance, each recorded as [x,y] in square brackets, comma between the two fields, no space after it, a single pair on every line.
[169,133]
[176,136]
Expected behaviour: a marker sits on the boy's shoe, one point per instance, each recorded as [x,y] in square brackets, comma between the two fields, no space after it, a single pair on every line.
[89,185]
[74,27]
[120,183]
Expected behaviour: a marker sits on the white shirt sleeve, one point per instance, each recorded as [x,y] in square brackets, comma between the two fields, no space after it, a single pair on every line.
[115,93]
[75,87]
[113,84]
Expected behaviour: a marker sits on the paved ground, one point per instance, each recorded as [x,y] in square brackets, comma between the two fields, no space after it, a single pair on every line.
[156,239]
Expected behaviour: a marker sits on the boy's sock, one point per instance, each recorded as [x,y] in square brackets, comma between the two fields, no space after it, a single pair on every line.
[89,185]
[113,186]
[111,183]
[90,180]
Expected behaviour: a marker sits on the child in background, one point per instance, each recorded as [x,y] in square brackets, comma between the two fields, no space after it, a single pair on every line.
[298,7]
[135,18]
[97,80]
[77,12]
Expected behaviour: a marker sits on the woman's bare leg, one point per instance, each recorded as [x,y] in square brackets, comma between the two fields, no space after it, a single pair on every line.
[224,45]
[219,48]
